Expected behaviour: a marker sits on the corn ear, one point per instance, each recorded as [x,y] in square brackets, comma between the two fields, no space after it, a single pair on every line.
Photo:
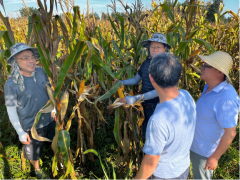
[120,93]
[81,88]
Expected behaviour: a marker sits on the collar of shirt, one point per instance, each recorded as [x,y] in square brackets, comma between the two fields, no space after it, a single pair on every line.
[218,88]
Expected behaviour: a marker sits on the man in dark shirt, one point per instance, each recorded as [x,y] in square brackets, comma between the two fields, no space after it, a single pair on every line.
[157,44]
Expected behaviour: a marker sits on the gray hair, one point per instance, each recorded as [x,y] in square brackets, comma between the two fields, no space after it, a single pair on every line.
[165,70]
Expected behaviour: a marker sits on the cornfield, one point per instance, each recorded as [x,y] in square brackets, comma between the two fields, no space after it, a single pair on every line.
[82,56]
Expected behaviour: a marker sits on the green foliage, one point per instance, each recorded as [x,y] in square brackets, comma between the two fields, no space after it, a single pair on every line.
[213,8]
[96,16]
[10,164]
[27,12]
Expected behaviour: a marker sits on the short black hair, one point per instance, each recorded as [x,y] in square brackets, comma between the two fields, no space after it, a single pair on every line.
[165,70]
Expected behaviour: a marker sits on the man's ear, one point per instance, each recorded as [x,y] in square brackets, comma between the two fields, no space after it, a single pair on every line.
[165,48]
[151,79]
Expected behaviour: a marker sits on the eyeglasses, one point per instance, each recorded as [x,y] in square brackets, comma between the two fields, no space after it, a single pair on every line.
[27,58]
[157,48]
[204,66]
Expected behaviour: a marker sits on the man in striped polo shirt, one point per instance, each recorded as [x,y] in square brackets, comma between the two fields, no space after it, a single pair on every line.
[157,44]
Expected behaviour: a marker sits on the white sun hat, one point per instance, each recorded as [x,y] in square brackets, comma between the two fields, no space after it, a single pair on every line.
[221,61]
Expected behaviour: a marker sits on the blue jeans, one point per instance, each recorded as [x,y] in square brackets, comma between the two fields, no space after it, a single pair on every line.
[148,112]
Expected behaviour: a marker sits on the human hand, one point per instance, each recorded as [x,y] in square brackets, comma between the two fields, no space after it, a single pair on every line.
[123,100]
[54,115]
[28,140]
[211,163]
[115,80]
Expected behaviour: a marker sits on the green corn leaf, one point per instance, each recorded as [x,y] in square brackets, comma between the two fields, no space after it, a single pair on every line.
[170,39]
[91,151]
[196,29]
[107,95]
[75,54]
[129,170]
[114,174]
[64,143]
[75,21]
[7,41]
[133,40]
[174,4]
[82,29]
[97,61]
[117,49]
[122,72]
[209,47]
[99,157]
[182,46]
[100,35]
[182,33]
[90,51]
[116,126]
[122,30]
[114,27]
[186,53]
[131,72]
[2,59]
[101,78]
[168,11]
[44,62]
[180,23]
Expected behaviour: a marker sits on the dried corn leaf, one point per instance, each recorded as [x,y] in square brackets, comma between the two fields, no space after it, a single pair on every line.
[114,105]
[81,88]
[23,159]
[125,142]
[47,108]
[50,94]
[69,122]
[64,105]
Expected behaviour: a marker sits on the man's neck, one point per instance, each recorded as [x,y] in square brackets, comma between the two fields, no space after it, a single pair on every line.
[213,84]
[167,94]
[25,73]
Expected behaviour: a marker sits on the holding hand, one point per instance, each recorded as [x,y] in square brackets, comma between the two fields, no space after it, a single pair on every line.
[115,80]
[123,100]
[28,140]
[211,163]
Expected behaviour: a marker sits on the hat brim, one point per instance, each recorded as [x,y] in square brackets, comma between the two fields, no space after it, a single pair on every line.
[147,43]
[206,59]
[35,51]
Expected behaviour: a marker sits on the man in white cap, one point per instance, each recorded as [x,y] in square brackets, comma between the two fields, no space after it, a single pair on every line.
[217,115]
[25,94]
[157,44]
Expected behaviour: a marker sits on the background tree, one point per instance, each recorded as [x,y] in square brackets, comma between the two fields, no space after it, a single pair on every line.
[27,12]
[95,15]
[213,8]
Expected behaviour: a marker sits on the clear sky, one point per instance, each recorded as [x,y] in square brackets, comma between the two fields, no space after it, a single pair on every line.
[12,6]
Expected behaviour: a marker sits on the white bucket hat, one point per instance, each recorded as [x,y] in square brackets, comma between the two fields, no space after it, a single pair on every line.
[221,61]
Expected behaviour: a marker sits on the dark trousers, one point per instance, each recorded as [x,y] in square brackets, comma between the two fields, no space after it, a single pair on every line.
[148,112]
